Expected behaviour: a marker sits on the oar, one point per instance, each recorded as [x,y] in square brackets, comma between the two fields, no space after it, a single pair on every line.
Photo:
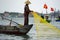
[12,21]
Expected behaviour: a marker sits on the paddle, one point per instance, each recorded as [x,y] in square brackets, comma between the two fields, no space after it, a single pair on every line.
[12,21]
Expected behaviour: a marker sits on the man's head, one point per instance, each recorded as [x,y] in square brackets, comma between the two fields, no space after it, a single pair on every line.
[28,2]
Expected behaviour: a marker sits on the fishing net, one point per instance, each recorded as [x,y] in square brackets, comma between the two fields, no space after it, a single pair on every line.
[43,27]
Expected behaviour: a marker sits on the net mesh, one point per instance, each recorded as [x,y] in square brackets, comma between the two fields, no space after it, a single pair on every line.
[43,27]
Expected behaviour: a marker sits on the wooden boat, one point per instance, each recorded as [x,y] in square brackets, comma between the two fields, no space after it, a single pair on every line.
[15,29]
[19,29]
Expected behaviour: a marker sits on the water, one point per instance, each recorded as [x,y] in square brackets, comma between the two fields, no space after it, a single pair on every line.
[32,35]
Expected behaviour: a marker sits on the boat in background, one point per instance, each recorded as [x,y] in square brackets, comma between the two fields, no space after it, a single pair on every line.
[57,20]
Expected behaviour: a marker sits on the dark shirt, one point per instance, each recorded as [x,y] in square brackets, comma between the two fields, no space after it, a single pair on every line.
[26,9]
[26,14]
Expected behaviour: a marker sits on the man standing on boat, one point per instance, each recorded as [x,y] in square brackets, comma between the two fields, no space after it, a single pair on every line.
[26,12]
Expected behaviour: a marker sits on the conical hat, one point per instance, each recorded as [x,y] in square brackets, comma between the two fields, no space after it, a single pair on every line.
[27,2]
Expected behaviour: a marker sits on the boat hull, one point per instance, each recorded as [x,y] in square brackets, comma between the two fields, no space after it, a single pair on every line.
[11,32]
[22,30]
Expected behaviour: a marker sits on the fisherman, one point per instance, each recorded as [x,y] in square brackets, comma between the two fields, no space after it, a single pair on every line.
[26,12]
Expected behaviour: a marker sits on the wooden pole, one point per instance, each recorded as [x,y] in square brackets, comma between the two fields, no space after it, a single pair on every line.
[12,21]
